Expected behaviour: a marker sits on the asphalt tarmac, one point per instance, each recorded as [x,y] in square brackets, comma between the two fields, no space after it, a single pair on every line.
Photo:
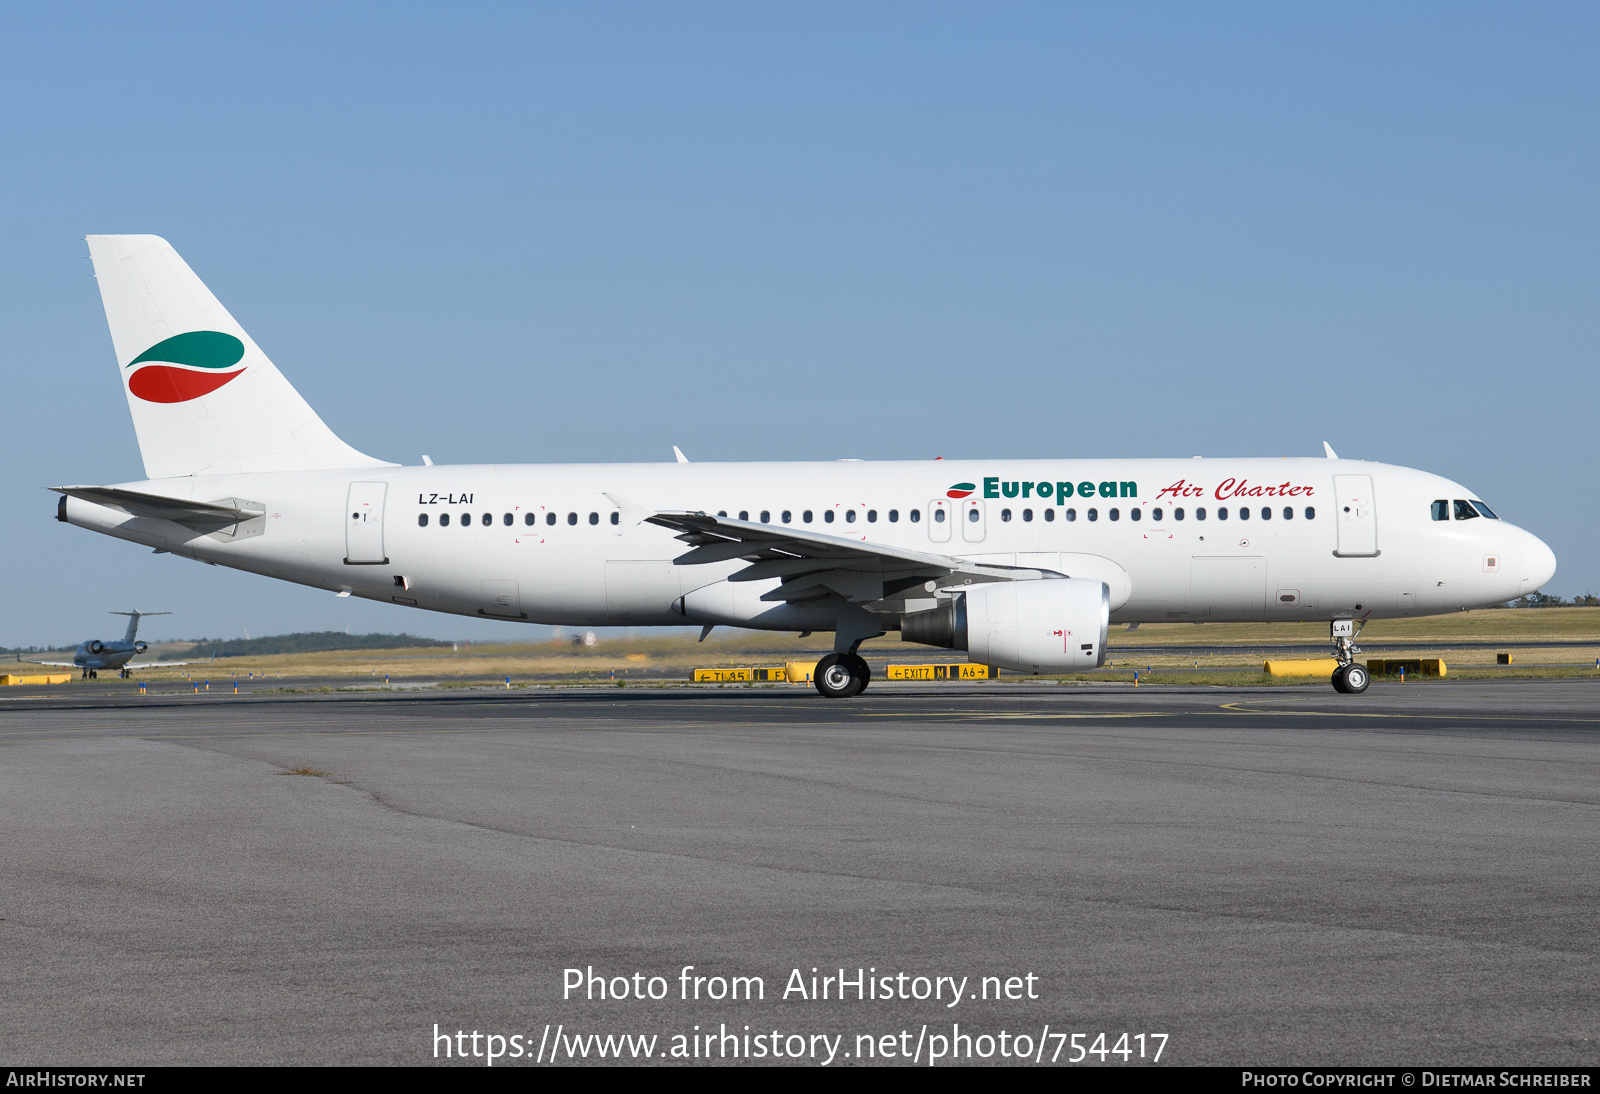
[1264,876]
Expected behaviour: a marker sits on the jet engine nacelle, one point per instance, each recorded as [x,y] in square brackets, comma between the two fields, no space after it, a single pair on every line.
[139,647]
[96,646]
[1055,625]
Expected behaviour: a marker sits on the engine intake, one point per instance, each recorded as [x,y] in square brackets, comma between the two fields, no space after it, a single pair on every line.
[1056,625]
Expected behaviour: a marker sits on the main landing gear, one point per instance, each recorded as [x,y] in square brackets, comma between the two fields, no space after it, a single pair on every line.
[1350,678]
[841,675]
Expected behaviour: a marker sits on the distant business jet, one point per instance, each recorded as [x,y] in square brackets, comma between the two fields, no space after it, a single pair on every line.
[93,655]
[1023,564]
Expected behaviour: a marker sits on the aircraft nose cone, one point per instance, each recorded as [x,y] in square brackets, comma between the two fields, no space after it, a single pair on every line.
[1538,564]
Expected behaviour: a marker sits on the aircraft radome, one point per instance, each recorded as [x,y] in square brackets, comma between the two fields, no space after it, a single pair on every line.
[1023,564]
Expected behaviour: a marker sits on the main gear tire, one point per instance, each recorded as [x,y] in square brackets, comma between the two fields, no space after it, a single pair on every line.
[840,675]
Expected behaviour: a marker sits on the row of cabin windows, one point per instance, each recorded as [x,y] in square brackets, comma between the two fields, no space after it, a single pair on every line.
[509,519]
[1155,514]
[1440,512]
[1464,510]
[828,517]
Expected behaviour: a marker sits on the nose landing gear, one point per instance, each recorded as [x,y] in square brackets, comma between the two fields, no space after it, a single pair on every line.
[1349,678]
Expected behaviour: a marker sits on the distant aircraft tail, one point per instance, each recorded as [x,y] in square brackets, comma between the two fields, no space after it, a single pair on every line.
[133,622]
[205,400]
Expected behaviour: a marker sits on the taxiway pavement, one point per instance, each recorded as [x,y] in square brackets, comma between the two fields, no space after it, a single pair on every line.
[1268,876]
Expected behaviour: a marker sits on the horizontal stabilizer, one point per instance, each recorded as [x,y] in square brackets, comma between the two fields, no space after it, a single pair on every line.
[134,503]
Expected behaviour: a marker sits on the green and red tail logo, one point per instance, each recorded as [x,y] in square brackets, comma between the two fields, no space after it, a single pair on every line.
[960,490]
[185,366]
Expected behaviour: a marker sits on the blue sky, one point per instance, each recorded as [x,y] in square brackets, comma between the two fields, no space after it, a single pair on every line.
[592,231]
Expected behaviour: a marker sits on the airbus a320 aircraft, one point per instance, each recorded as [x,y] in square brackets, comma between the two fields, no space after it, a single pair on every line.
[93,655]
[1023,564]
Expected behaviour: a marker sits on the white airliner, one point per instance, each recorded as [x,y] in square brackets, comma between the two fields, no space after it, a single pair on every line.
[93,655]
[1023,564]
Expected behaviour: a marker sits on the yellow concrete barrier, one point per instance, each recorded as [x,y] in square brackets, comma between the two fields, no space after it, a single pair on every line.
[940,672]
[54,678]
[1316,666]
[799,672]
[1413,666]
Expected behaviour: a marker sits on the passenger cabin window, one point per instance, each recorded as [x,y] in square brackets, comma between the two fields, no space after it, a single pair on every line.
[1484,509]
[1005,514]
[1288,512]
[972,515]
[444,520]
[466,520]
[849,516]
[1465,511]
[1069,515]
[938,516]
[787,516]
[722,512]
[1155,515]
[508,520]
[616,518]
[1116,514]
[422,520]
[1135,514]
[1311,513]
[806,516]
[530,518]
[1244,512]
[1266,513]
[1049,514]
[827,516]
[572,518]
[766,516]
[744,514]
[1027,515]
[549,518]
[1177,514]
[872,516]
[1200,513]
[916,515]
[1094,514]
[1222,513]
[594,518]
[488,519]
[1441,510]
[894,516]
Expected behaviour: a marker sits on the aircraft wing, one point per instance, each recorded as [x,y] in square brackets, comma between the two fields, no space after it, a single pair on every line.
[55,664]
[138,504]
[163,664]
[813,565]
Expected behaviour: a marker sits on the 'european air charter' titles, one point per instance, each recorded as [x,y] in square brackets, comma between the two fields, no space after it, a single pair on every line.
[1234,488]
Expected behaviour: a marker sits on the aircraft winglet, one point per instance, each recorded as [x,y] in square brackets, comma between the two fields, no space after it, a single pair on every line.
[1328,448]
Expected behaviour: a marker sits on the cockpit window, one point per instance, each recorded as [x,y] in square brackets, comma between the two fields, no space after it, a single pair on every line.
[1465,511]
[1441,510]
[1484,509]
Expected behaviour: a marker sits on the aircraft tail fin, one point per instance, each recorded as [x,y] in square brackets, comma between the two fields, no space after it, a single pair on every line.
[133,622]
[205,400]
